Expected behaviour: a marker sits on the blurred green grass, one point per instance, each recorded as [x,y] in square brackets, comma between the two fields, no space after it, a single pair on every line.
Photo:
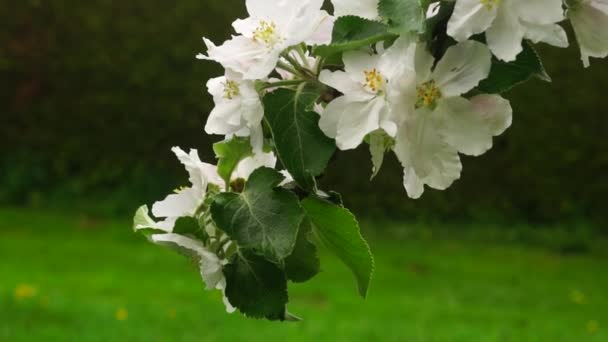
[66,278]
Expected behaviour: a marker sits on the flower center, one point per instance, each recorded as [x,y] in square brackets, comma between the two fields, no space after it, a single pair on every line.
[267,33]
[427,94]
[374,80]
[490,4]
[231,90]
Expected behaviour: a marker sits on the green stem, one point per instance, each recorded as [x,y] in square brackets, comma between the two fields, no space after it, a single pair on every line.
[283,83]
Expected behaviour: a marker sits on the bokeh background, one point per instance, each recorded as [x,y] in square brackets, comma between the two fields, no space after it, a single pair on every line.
[94,95]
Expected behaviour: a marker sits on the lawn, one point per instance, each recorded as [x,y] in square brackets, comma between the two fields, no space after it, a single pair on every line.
[82,279]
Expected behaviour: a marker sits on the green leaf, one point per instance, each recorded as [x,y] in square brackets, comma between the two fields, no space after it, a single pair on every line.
[379,144]
[301,145]
[351,33]
[255,286]
[338,229]
[404,15]
[504,76]
[303,264]
[189,226]
[229,154]
[262,218]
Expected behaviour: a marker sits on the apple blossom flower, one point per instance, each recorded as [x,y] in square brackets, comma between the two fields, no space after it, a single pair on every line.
[589,19]
[238,109]
[368,83]
[210,265]
[507,22]
[367,9]
[186,201]
[272,27]
[439,123]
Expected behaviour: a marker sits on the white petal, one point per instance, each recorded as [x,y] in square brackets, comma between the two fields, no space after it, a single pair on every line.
[359,119]
[215,86]
[356,63]
[367,9]
[495,110]
[225,119]
[246,167]
[194,166]
[210,265]
[245,56]
[462,68]
[470,17]
[470,127]
[541,12]
[421,149]
[257,138]
[399,58]
[142,220]
[246,27]
[505,35]
[331,115]
[590,22]
[322,34]
[263,9]
[183,204]
[413,185]
[342,82]
[424,62]
[551,34]
[303,23]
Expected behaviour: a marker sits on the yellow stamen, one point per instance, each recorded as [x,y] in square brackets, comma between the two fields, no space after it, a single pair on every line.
[427,93]
[490,4]
[266,33]
[231,90]
[374,80]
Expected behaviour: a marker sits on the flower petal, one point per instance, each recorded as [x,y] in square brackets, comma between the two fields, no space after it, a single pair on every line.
[342,82]
[505,35]
[470,17]
[246,167]
[142,221]
[367,9]
[552,34]
[586,20]
[210,265]
[356,63]
[470,126]
[424,155]
[462,68]
[361,119]
[182,204]
[541,12]
[245,56]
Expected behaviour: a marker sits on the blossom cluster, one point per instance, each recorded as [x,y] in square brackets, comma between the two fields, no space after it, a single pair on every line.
[422,82]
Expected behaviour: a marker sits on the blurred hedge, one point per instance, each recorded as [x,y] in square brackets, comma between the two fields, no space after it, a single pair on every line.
[98,92]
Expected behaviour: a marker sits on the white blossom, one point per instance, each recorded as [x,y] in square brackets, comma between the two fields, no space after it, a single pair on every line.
[369,83]
[186,201]
[438,122]
[210,265]
[238,109]
[507,22]
[273,26]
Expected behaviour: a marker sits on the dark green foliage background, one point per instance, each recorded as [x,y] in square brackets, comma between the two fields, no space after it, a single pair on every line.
[95,93]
